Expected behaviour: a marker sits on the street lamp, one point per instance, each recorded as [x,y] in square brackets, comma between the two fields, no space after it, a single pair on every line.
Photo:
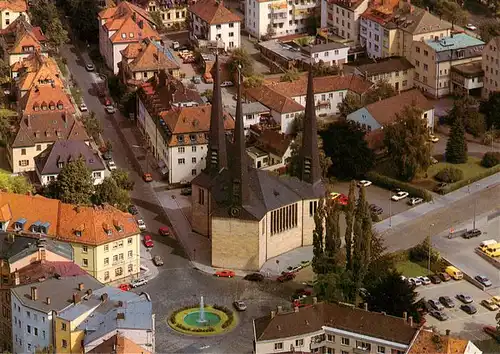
[475,205]
[390,208]
[429,258]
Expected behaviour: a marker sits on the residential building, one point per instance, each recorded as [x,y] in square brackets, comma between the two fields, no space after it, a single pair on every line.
[331,53]
[102,314]
[435,58]
[209,21]
[332,328]
[378,114]
[20,39]
[172,13]
[270,151]
[10,10]
[287,99]
[428,342]
[343,16]
[120,26]
[118,344]
[396,71]
[35,307]
[35,132]
[141,61]
[50,162]
[267,18]
[253,113]
[261,215]
[105,240]
[490,66]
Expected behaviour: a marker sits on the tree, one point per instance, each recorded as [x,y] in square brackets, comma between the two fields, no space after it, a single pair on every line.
[465,108]
[240,57]
[489,29]
[74,184]
[491,110]
[56,34]
[451,11]
[80,11]
[92,126]
[333,240]
[294,166]
[313,22]
[271,32]
[344,143]
[290,75]
[320,69]
[109,192]
[297,124]
[406,142]
[4,70]
[208,93]
[380,91]
[456,146]
[42,12]
[349,220]
[334,286]
[318,261]
[14,184]
[156,17]
[122,179]
[253,81]
[350,103]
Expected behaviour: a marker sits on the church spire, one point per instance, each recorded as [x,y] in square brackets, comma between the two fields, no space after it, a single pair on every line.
[239,170]
[217,153]
[310,168]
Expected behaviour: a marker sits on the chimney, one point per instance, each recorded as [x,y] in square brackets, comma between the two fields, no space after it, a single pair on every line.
[447,332]
[81,286]
[65,116]
[47,300]
[315,300]
[405,316]
[280,309]
[17,281]
[34,293]
[76,298]
[28,120]
[366,306]
[410,319]
[273,313]
[141,24]
[120,316]
[296,309]
[104,297]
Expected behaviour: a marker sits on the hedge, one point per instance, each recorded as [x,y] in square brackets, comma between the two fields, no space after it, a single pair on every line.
[449,175]
[391,183]
[454,186]
[490,159]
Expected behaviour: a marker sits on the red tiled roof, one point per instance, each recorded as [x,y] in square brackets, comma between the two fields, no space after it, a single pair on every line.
[119,344]
[14,5]
[213,12]
[35,271]
[428,342]
[274,100]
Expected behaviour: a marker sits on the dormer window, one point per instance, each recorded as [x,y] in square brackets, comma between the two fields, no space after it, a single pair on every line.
[107,229]
[60,105]
[52,105]
[36,107]
[59,134]
[36,226]
[131,34]
[192,137]
[118,225]
[19,224]
[37,134]
[124,35]
[180,138]
[60,164]
[44,106]
[78,233]
[44,228]
[47,133]
[28,48]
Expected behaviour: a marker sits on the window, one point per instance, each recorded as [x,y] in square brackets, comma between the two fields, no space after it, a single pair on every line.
[417,63]
[63,326]
[312,208]
[278,346]
[201,196]
[39,147]
[180,150]
[193,172]
[106,275]
[426,67]
[43,334]
[85,262]
[96,175]
[231,34]
[193,148]
[363,345]
[181,161]
[23,163]
[85,249]
[115,258]
[299,342]
[345,341]
[327,53]
[28,328]
[120,256]
[193,159]
[130,241]
[35,331]
[28,314]
[130,268]
[231,25]
[417,49]
[120,243]
[405,82]
[23,151]
[381,349]
[330,338]
[106,261]
[344,352]
[284,218]
[64,343]
[7,21]
[218,27]
[106,248]
[129,254]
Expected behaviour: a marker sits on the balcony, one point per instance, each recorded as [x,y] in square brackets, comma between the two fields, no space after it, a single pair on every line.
[301,13]
[278,7]
[278,19]
[302,6]
[360,350]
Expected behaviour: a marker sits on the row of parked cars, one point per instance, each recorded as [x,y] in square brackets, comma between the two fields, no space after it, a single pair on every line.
[437,307]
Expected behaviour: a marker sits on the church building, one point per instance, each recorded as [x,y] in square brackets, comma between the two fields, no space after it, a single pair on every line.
[251,215]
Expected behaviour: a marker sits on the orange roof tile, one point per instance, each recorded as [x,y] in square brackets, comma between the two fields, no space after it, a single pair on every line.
[151,58]
[47,96]
[213,12]
[118,344]
[21,33]
[427,342]
[132,50]
[274,100]
[47,71]
[5,213]
[131,31]
[14,5]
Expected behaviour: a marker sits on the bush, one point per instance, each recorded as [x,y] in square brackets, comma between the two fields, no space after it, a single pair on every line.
[454,186]
[172,318]
[420,252]
[449,175]
[490,159]
[391,183]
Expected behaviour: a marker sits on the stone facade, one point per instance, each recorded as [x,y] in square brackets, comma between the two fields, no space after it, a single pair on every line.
[200,222]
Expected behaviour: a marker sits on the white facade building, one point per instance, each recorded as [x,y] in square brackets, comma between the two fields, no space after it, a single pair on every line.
[372,37]
[252,114]
[343,17]
[331,53]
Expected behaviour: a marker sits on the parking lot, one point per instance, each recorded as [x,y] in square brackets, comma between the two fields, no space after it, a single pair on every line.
[459,322]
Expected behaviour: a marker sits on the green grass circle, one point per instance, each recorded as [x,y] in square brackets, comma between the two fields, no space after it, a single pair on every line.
[192,330]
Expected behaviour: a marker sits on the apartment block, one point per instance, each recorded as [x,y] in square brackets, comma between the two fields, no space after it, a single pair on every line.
[491,66]
[172,13]
[343,17]
[396,71]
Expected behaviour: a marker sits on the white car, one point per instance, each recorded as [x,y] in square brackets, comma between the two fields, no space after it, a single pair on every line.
[83,107]
[90,67]
[141,224]
[110,109]
[414,201]
[226,84]
[111,165]
[364,183]
[399,195]
[471,27]
[415,281]
[424,280]
[240,305]
[138,282]
[433,138]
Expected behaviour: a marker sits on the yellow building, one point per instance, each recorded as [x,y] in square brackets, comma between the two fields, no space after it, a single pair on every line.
[396,71]
[172,17]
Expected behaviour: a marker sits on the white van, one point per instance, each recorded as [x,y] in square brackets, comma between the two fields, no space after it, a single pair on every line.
[484,244]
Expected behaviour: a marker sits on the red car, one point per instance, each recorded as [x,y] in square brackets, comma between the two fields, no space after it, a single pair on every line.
[343,199]
[147,177]
[124,287]
[492,331]
[148,241]
[286,277]
[164,231]
[224,273]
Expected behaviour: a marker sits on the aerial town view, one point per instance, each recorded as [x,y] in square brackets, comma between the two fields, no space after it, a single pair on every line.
[250,176]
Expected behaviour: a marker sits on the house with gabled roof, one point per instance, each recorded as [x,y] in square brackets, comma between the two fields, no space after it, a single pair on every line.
[10,10]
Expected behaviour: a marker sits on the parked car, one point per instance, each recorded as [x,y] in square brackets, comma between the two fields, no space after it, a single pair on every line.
[157,261]
[399,196]
[414,201]
[435,279]
[164,231]
[470,309]
[439,315]
[446,301]
[364,183]
[141,224]
[254,277]
[483,280]
[226,84]
[440,186]
[90,67]
[444,276]
[148,241]
[138,282]
[186,191]
[147,177]
[294,269]
[111,165]
[493,332]
[415,281]
[286,277]
[175,45]
[496,299]
[434,160]
[466,299]
[224,273]
[375,209]
[240,305]
[472,233]
[110,109]
[433,138]
[471,27]
[83,107]
[424,280]
[132,209]
[489,304]
[107,155]
[435,304]
[124,287]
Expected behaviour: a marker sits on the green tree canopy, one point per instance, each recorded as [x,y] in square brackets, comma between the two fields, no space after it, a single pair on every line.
[122,179]
[14,184]
[350,103]
[74,184]
[466,109]
[290,76]
[451,11]
[56,34]
[80,11]
[456,146]
[489,29]
[294,160]
[109,192]
[353,102]
[92,126]
[253,81]
[406,142]
[491,110]
[344,143]
[240,57]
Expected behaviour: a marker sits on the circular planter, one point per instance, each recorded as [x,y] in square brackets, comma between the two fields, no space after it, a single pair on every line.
[217,321]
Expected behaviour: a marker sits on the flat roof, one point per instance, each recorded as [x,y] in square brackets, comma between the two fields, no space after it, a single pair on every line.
[285,51]
[456,41]
[256,151]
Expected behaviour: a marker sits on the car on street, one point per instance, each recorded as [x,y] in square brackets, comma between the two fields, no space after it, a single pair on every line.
[433,138]
[435,304]
[148,241]
[164,231]
[415,281]
[364,183]
[157,261]
[254,277]
[399,196]
[147,177]
[414,201]
[446,301]
[186,191]
[226,84]
[492,332]
[434,160]
[286,277]
[444,276]
[90,67]
[293,269]
[107,155]
[111,165]
[468,308]
[466,299]
[496,299]
[472,233]
[489,304]
[132,209]
[110,109]
[425,280]
[124,287]
[141,224]
[471,27]
[483,280]
[83,107]
[224,273]
[375,209]
[240,305]
[435,279]
[138,282]
[439,315]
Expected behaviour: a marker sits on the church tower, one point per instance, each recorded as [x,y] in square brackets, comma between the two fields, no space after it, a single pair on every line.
[217,152]
[309,153]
